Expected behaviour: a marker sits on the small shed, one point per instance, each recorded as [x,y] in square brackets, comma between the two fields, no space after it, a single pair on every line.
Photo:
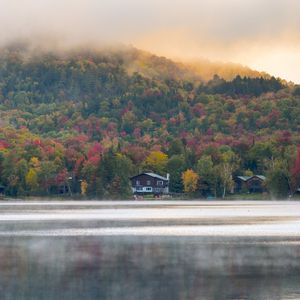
[250,184]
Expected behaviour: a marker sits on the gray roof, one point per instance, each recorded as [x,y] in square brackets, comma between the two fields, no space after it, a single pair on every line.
[156,176]
[246,178]
[262,177]
[152,175]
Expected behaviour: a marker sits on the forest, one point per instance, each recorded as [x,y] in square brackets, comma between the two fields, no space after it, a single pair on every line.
[81,122]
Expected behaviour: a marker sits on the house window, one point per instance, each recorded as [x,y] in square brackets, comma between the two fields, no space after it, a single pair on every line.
[149,189]
[160,183]
[137,182]
[148,182]
[139,188]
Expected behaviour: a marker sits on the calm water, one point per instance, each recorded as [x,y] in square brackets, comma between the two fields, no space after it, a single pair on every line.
[143,250]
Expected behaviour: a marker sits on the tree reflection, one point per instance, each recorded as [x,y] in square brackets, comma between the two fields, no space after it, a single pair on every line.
[147,268]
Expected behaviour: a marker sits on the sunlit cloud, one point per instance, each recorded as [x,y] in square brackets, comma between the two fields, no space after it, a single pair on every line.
[263,34]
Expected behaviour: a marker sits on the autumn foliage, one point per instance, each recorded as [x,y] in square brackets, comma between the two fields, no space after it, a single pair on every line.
[190,181]
[85,121]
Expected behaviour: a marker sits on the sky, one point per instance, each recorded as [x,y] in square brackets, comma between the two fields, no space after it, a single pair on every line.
[262,34]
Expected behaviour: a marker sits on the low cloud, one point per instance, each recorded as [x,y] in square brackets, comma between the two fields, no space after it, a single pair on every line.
[263,34]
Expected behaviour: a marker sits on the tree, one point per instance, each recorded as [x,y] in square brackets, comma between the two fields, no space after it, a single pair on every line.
[123,169]
[176,147]
[156,162]
[208,175]
[14,170]
[114,172]
[225,172]
[83,187]
[190,181]
[32,180]
[47,174]
[226,168]
[258,155]
[295,172]
[281,173]
[175,167]
[277,182]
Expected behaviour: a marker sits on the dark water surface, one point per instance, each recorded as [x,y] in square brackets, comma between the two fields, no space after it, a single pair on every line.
[165,250]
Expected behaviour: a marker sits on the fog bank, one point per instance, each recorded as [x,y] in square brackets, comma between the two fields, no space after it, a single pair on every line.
[262,34]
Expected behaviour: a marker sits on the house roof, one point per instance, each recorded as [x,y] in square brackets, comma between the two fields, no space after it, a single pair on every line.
[152,175]
[262,177]
[246,178]
[157,176]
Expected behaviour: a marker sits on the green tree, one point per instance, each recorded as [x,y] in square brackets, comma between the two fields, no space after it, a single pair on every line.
[114,172]
[278,184]
[176,148]
[175,167]
[279,179]
[208,175]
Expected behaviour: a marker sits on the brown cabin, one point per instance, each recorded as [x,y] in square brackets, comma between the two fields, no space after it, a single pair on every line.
[150,183]
[250,184]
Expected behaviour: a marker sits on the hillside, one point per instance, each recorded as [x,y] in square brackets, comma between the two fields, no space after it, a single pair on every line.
[100,116]
[152,66]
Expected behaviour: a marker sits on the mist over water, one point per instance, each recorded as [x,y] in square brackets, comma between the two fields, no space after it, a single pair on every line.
[149,250]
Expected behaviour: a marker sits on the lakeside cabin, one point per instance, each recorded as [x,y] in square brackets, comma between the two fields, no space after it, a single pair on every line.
[250,184]
[150,184]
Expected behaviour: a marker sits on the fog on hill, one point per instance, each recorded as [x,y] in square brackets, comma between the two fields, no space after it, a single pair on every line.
[263,35]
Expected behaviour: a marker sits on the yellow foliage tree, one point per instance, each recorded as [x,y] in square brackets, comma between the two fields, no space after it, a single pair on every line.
[156,162]
[34,162]
[190,181]
[83,187]
[32,179]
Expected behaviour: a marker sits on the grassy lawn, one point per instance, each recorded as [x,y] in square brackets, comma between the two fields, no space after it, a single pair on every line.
[254,196]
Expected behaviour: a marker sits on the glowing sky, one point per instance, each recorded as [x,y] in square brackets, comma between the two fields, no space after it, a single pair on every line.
[264,34]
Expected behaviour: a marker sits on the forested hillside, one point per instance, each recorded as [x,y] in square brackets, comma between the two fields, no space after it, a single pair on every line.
[89,120]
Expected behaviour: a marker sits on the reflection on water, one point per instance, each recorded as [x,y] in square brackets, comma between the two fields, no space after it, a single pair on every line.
[74,266]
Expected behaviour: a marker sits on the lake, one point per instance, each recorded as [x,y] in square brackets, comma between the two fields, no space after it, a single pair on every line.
[139,250]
